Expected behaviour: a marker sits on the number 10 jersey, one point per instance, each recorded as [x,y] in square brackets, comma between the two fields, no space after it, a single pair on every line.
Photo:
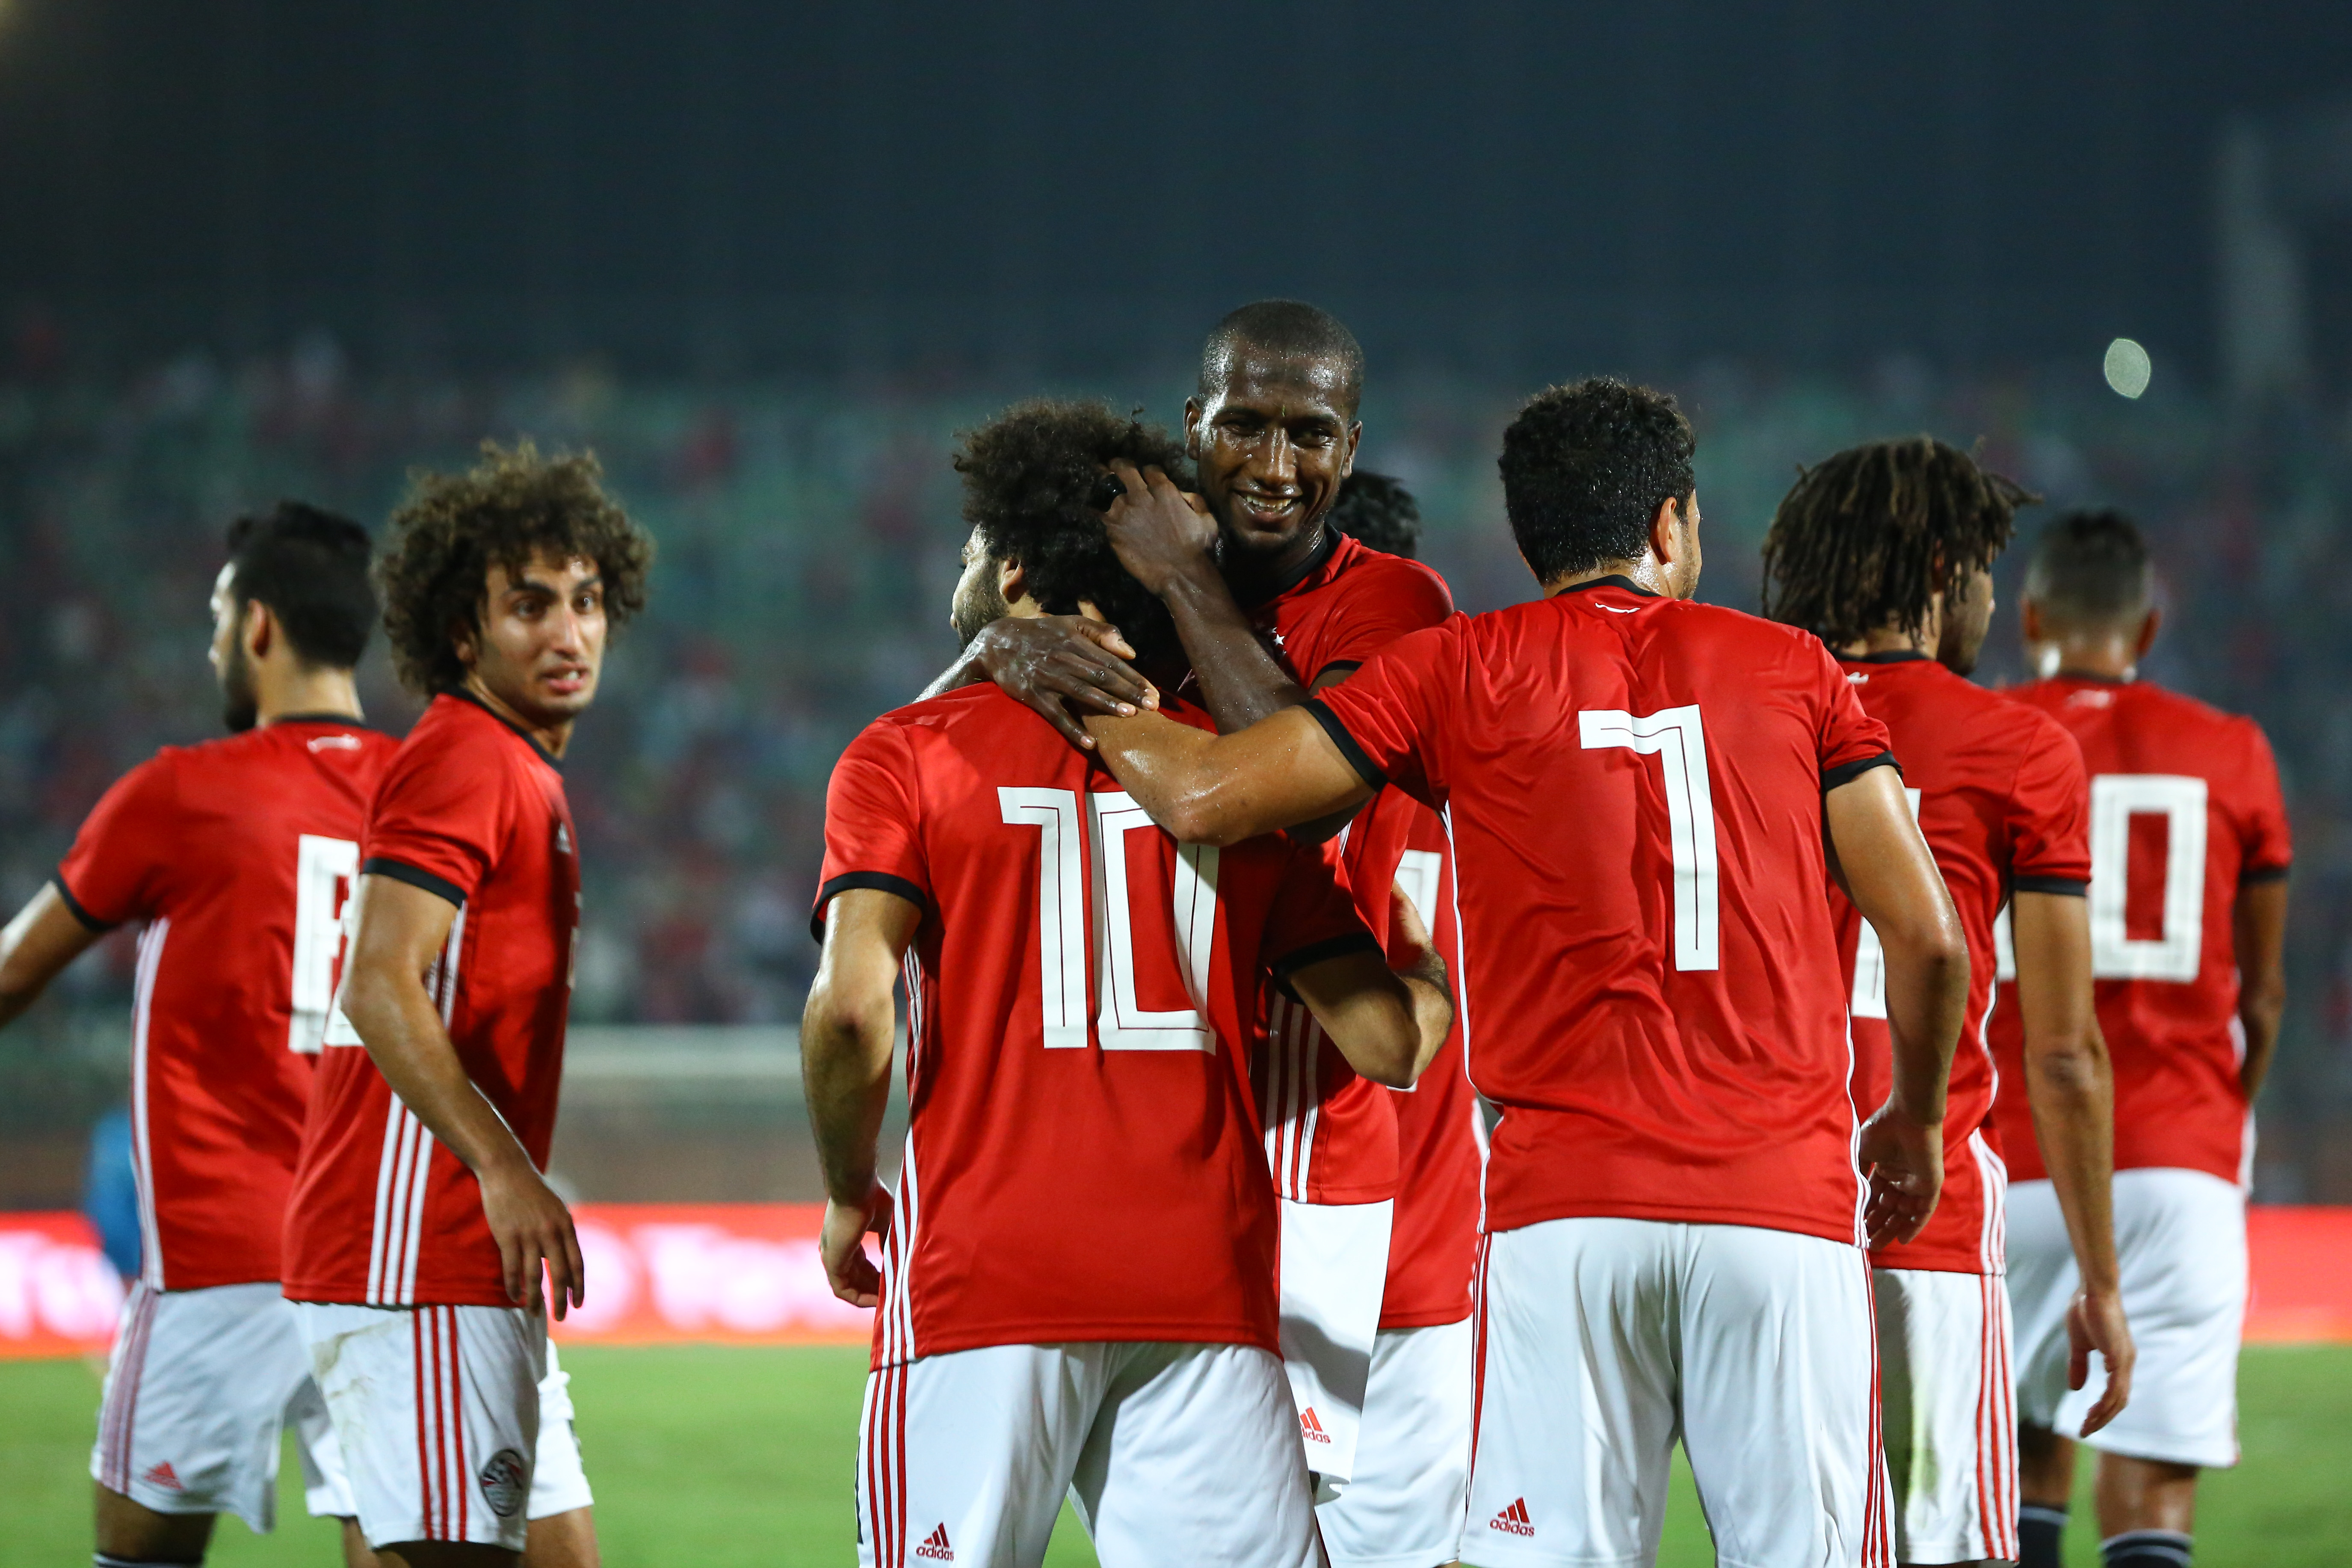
[1083,1161]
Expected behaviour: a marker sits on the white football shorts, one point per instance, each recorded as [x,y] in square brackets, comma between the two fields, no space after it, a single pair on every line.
[436,1412]
[1172,1453]
[1602,1341]
[1332,1271]
[1404,1508]
[558,1482]
[199,1387]
[1948,1403]
[2180,1240]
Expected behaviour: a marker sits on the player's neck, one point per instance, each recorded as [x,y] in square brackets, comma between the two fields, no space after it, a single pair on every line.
[1646,574]
[2095,657]
[552,738]
[300,692]
[1254,579]
[1892,639]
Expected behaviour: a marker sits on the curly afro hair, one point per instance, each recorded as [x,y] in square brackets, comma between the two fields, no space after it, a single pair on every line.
[1584,469]
[1029,476]
[509,507]
[1867,538]
[1378,510]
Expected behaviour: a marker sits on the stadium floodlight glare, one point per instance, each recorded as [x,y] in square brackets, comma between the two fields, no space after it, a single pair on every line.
[2128,367]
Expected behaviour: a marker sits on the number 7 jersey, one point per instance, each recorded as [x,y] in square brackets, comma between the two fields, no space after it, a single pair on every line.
[1083,1160]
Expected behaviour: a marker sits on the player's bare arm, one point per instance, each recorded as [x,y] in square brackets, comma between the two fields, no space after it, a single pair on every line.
[1885,868]
[1388,1023]
[400,932]
[847,1034]
[2070,1087]
[2258,923]
[1061,666]
[35,947]
[1222,789]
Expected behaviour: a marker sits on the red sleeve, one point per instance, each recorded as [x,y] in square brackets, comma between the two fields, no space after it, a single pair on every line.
[2269,848]
[873,822]
[1852,743]
[115,870]
[1394,600]
[2050,816]
[434,824]
[1384,718]
[1313,917]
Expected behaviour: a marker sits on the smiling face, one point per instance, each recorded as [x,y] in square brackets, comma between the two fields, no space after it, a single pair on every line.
[541,643]
[1272,445]
[979,596]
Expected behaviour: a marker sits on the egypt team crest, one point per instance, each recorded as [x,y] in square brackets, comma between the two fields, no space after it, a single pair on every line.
[505,1481]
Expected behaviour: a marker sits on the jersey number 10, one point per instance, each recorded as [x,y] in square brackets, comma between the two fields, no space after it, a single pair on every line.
[2177,950]
[1065,901]
[326,872]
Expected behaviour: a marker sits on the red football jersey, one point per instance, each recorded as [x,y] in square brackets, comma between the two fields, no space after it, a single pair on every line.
[1331,1135]
[2185,810]
[1998,790]
[1082,1160]
[1653,994]
[1440,1136]
[471,810]
[238,855]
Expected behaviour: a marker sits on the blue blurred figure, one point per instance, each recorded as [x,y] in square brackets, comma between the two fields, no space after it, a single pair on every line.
[109,1195]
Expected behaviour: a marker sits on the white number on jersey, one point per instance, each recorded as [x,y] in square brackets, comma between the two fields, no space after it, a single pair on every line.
[1063,899]
[326,871]
[1417,874]
[1870,957]
[2115,799]
[1675,737]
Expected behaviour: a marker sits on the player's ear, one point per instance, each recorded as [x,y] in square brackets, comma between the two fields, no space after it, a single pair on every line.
[2148,632]
[1011,581]
[1665,541]
[1193,428]
[256,628]
[2029,622]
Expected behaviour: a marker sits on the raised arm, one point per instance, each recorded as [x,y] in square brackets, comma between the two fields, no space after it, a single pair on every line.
[400,932]
[1886,870]
[2258,924]
[1388,1023]
[35,947]
[1222,789]
[2071,1088]
[1064,666]
[847,1034]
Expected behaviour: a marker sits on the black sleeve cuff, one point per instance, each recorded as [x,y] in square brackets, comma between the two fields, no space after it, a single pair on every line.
[1337,667]
[1846,773]
[880,881]
[2253,878]
[73,905]
[2064,887]
[1347,743]
[1290,963]
[400,871]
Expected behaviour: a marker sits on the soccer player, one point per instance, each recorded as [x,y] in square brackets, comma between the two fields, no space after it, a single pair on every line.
[1886,551]
[1638,787]
[2188,915]
[1271,426]
[420,1220]
[1377,510]
[1078,1293]
[236,856]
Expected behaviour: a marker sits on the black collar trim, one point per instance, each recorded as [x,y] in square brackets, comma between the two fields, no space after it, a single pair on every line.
[525,736]
[1615,580]
[348,721]
[1303,570]
[1886,656]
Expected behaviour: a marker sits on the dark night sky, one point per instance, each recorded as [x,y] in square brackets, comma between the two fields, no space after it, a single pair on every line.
[753,186]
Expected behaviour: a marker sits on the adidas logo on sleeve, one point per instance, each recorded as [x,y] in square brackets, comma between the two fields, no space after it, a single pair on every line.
[937,1547]
[1513,1519]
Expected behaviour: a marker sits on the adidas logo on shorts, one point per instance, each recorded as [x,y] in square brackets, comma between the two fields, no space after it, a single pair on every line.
[1513,1519]
[937,1546]
[1311,1429]
[162,1475]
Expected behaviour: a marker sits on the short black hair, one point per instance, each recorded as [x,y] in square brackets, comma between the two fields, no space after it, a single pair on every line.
[2091,565]
[1584,469]
[506,507]
[1378,510]
[310,567]
[1868,537]
[1029,476]
[1288,327]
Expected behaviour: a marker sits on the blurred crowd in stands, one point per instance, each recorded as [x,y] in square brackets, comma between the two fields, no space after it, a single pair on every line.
[808,537]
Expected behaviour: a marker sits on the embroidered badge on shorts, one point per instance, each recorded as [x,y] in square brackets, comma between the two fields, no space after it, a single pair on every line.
[505,1481]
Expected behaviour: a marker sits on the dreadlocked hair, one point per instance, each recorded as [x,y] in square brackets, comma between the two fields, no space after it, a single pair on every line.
[1868,538]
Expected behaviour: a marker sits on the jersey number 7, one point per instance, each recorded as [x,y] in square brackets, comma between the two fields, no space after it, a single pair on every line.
[1674,735]
[1065,900]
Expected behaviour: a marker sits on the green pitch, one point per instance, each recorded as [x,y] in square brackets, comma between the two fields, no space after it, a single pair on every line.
[719,1457]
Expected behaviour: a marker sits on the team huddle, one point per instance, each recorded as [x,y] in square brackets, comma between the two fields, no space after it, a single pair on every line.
[1378,1078]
